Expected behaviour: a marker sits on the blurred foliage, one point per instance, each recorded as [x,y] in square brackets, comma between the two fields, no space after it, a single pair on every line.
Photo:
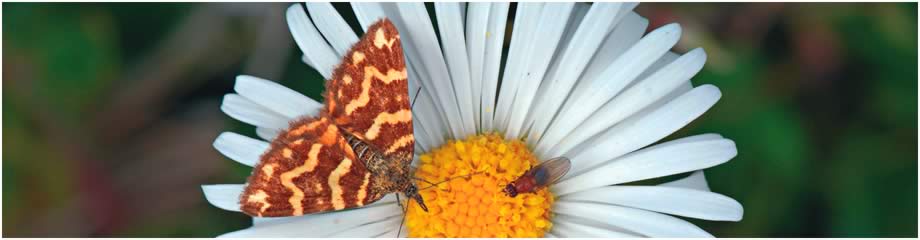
[106,138]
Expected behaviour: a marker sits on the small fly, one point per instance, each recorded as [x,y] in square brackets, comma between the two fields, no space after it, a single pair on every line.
[542,175]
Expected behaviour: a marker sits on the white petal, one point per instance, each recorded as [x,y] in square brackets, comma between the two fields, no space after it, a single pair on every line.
[674,94]
[422,49]
[243,109]
[655,161]
[388,199]
[596,223]
[681,90]
[626,9]
[273,220]
[425,113]
[453,42]
[566,231]
[634,99]
[414,83]
[568,226]
[494,40]
[367,13]
[670,200]
[542,49]
[427,117]
[477,20]
[640,221]
[320,55]
[268,134]
[370,230]
[422,140]
[696,181]
[240,148]
[694,138]
[403,233]
[524,29]
[575,56]
[619,74]
[320,225]
[579,11]
[276,97]
[307,60]
[224,196]
[625,34]
[641,130]
[333,27]
[663,61]
[533,43]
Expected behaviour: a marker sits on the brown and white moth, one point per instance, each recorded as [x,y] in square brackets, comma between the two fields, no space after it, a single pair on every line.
[356,151]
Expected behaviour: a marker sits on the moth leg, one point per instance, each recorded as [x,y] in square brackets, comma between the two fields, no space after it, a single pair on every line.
[401,204]
[405,209]
[399,232]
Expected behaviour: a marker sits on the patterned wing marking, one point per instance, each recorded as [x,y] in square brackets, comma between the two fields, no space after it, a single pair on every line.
[406,140]
[362,191]
[371,73]
[335,178]
[308,169]
[385,118]
[368,94]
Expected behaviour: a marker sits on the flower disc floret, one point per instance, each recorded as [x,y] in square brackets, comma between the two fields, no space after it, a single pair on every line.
[475,206]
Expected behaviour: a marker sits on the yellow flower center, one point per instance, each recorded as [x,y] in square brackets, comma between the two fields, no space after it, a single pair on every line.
[476,206]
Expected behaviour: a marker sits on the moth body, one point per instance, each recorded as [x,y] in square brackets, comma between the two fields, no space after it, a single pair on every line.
[389,175]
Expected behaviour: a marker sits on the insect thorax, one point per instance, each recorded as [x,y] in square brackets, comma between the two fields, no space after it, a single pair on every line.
[390,175]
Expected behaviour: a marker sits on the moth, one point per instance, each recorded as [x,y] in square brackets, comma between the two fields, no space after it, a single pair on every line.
[356,150]
[542,175]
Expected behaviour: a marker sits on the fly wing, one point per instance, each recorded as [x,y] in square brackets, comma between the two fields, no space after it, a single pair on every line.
[551,171]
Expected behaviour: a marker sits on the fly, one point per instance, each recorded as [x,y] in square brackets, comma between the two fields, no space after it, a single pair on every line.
[540,176]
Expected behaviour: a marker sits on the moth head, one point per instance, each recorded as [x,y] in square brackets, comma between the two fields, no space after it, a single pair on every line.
[412,192]
[510,190]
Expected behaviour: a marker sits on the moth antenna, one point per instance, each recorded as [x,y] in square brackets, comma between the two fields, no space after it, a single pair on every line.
[431,185]
[423,180]
[416,97]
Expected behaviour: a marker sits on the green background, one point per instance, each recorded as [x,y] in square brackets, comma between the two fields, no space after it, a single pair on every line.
[109,112]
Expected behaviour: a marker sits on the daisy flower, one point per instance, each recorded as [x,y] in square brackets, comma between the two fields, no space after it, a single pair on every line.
[579,80]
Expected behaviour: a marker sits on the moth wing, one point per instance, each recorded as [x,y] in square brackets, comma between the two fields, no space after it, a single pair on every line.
[368,94]
[308,168]
[551,171]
